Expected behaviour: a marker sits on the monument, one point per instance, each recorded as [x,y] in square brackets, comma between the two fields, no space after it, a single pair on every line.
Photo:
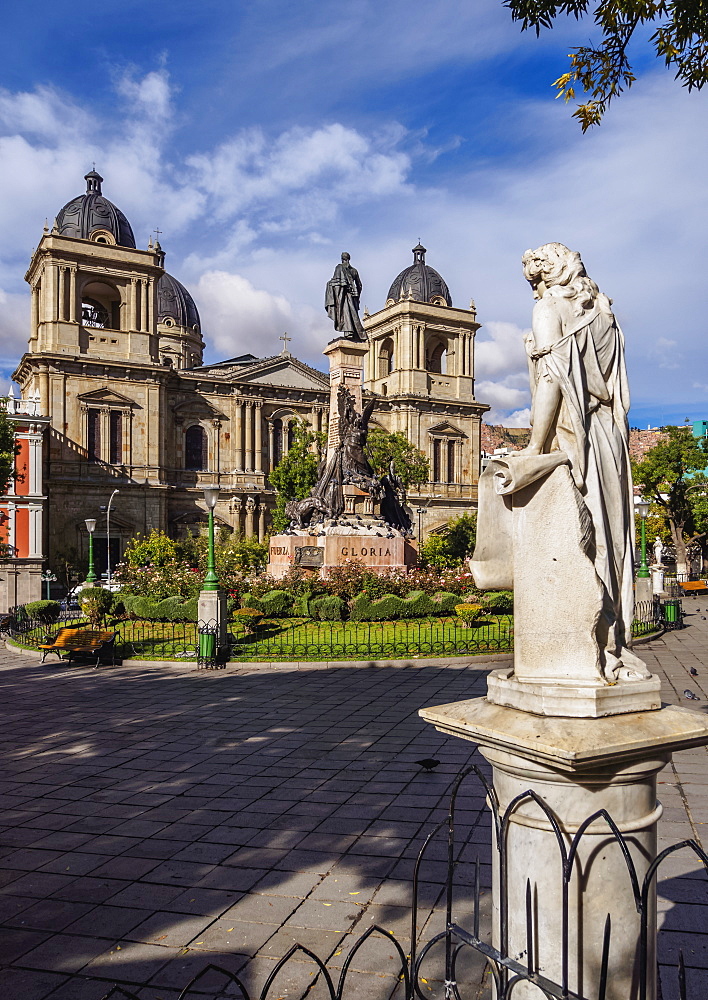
[577,719]
[351,513]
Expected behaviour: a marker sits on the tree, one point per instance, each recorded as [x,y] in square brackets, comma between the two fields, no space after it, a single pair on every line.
[296,473]
[449,547]
[602,71]
[671,476]
[410,464]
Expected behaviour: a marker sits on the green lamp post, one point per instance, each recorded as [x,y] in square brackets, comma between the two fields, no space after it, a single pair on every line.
[211,580]
[90,527]
[642,509]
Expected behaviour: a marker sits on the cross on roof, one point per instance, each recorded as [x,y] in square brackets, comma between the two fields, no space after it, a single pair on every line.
[157,232]
[285,338]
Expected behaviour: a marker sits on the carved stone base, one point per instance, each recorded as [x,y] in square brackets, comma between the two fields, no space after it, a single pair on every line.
[378,552]
[573,699]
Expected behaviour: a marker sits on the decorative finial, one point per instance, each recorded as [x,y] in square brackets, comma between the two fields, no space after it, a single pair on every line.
[285,338]
[46,225]
[55,226]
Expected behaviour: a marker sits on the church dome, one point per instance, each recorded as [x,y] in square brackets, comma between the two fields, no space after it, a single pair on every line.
[93,217]
[420,282]
[176,304]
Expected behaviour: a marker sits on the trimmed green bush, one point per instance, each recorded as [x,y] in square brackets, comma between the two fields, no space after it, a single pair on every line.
[499,602]
[329,608]
[95,602]
[274,603]
[44,611]
[469,613]
[417,604]
[171,609]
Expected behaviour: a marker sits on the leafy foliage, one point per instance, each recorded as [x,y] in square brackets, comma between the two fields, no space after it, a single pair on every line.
[451,546]
[671,476]
[95,602]
[296,473]
[410,464]
[603,71]
[155,549]
[44,611]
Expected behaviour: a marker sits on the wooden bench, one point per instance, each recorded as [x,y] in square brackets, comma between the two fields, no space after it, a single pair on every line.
[81,643]
[694,587]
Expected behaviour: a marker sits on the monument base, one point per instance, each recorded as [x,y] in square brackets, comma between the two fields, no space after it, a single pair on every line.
[377,551]
[571,699]
[575,768]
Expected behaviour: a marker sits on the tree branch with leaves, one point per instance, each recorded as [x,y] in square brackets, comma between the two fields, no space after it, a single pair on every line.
[603,71]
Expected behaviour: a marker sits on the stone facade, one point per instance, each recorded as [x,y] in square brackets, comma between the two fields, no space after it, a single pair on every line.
[115,359]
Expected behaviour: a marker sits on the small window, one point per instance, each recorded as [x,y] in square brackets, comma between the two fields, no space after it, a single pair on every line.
[116,441]
[94,436]
[386,359]
[277,441]
[195,448]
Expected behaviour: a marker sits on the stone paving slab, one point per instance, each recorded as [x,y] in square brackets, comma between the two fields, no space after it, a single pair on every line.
[157,818]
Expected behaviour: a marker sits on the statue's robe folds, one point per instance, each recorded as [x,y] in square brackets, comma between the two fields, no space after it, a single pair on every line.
[342,302]
[591,434]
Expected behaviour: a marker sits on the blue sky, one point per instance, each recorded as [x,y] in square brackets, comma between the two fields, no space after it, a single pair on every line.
[264,138]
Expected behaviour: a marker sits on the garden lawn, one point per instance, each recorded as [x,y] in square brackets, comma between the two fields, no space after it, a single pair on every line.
[305,639]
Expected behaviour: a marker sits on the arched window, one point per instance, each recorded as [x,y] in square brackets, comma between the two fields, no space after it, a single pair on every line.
[195,450]
[386,359]
[436,360]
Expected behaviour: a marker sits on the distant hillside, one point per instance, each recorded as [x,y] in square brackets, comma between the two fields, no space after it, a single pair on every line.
[495,436]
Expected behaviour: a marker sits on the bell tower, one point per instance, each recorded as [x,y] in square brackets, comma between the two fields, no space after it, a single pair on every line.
[420,364]
[94,294]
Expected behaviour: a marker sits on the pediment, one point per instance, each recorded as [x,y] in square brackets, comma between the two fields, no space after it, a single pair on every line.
[197,406]
[287,373]
[446,429]
[106,397]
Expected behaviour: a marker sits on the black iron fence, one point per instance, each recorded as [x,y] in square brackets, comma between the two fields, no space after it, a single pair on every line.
[420,962]
[286,640]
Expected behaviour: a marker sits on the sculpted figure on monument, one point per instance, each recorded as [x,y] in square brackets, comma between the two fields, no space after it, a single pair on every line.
[342,300]
[580,401]
[353,431]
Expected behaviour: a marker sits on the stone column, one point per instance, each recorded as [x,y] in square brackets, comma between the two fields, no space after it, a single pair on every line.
[143,305]
[238,435]
[258,445]
[657,579]
[62,293]
[285,436]
[250,508]
[34,314]
[249,436]
[271,445]
[261,519]
[346,360]
[72,295]
[133,305]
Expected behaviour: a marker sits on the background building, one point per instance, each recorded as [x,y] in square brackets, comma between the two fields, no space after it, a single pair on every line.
[115,360]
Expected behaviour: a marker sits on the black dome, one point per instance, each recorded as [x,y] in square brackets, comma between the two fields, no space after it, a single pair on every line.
[174,302]
[91,211]
[422,280]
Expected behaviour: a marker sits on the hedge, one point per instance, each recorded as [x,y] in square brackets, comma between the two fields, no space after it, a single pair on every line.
[45,611]
[417,604]
[274,603]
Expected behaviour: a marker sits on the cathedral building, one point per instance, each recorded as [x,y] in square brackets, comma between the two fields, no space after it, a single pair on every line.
[115,362]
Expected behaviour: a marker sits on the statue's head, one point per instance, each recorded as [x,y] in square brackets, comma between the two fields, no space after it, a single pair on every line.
[552,264]
[345,257]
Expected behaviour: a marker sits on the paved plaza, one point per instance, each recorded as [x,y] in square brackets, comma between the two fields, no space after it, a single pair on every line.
[156,819]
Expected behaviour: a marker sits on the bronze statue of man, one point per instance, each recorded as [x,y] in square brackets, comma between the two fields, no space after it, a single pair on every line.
[342,300]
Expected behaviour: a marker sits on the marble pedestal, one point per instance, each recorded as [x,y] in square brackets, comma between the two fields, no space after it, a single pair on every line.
[657,579]
[643,595]
[212,608]
[376,551]
[577,767]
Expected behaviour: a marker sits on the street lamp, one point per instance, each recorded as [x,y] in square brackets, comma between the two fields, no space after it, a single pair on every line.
[211,580]
[90,527]
[420,511]
[642,508]
[48,578]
